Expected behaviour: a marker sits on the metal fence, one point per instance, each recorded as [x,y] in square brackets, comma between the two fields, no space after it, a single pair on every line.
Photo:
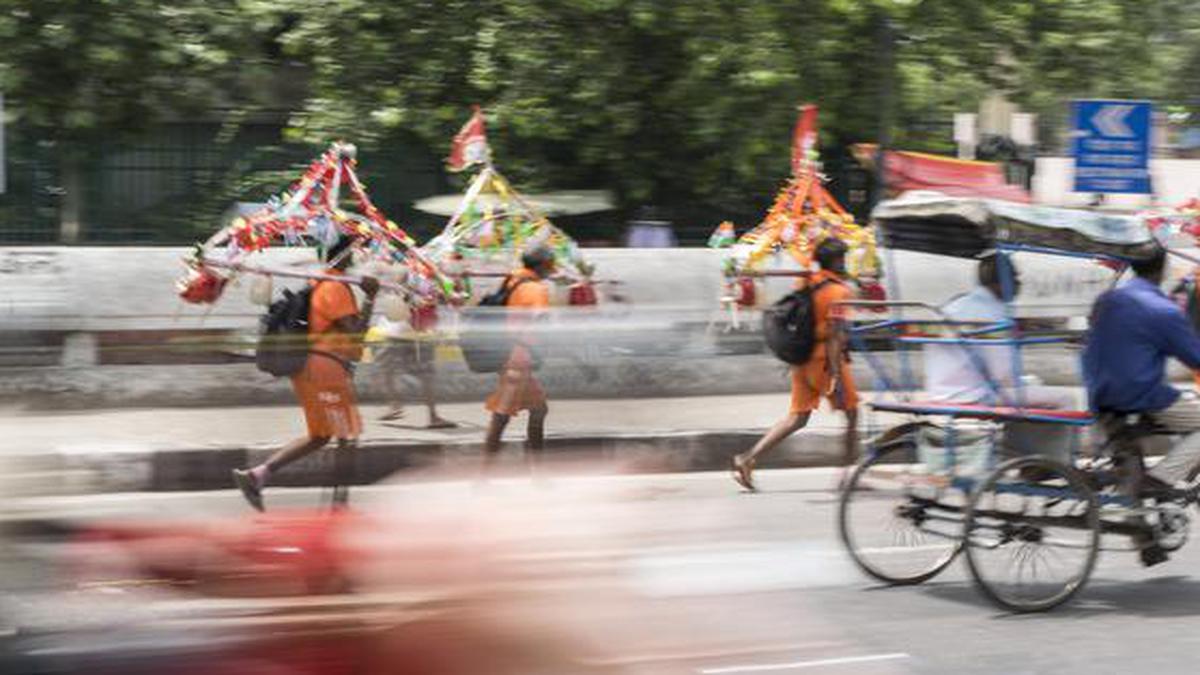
[178,184]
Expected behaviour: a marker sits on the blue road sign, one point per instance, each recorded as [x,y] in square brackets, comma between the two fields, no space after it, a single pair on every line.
[1110,141]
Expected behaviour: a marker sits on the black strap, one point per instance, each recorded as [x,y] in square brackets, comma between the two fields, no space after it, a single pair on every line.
[345,363]
[514,287]
[330,355]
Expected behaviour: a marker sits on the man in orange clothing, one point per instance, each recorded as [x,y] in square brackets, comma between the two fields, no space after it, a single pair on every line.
[825,375]
[517,388]
[324,387]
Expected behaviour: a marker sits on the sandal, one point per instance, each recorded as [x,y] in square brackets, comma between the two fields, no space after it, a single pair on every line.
[441,424]
[743,472]
[250,487]
[392,415]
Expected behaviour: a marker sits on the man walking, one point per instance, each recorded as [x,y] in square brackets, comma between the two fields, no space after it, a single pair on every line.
[518,389]
[412,352]
[826,374]
[324,387]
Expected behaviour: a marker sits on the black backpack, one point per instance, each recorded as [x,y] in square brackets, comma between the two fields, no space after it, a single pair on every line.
[500,296]
[790,325]
[483,336]
[283,334]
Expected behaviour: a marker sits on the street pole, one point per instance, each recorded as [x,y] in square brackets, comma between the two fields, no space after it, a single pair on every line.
[887,68]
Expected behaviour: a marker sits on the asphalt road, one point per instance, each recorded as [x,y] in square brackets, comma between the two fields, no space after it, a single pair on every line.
[682,573]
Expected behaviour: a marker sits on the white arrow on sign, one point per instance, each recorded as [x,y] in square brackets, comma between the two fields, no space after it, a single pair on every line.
[1110,121]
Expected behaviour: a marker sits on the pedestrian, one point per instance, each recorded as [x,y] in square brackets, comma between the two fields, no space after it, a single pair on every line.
[518,389]
[324,387]
[412,351]
[826,374]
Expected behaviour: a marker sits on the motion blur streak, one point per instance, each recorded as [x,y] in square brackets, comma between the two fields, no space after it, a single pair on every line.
[516,575]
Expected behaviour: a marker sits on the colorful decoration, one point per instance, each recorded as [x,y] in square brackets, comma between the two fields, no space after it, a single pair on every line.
[201,285]
[1166,223]
[804,141]
[494,224]
[722,237]
[470,146]
[803,215]
[310,213]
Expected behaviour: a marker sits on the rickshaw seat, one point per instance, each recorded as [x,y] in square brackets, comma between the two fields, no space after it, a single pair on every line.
[1131,426]
[977,411]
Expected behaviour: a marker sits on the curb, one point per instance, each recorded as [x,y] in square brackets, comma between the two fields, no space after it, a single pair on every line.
[179,469]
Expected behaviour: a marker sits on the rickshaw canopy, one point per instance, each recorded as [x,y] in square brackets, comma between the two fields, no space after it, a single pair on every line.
[935,223]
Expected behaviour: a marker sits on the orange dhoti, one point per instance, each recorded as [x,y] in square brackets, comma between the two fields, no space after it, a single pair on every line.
[812,381]
[517,388]
[326,393]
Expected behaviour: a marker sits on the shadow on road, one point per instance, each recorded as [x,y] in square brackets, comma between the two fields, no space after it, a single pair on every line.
[1157,597]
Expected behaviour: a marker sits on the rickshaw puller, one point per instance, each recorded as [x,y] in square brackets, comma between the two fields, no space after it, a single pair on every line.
[1134,328]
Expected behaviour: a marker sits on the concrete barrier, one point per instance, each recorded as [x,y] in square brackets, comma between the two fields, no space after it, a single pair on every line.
[90,289]
[66,312]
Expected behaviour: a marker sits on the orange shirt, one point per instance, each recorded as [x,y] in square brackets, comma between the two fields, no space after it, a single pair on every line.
[529,297]
[331,302]
[823,301]
[532,294]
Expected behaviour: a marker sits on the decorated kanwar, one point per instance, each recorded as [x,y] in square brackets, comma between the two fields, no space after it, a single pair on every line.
[825,250]
[314,336]
[802,215]
[493,224]
[310,213]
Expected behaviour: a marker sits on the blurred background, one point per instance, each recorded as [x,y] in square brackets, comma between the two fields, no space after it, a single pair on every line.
[142,122]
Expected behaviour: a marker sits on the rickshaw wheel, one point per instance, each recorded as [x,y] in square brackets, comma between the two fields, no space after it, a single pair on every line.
[1032,534]
[900,524]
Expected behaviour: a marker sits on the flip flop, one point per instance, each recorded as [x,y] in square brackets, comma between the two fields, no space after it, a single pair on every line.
[742,473]
[394,414]
[250,488]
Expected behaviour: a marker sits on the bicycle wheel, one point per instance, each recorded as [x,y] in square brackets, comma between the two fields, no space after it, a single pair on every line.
[900,524]
[1032,534]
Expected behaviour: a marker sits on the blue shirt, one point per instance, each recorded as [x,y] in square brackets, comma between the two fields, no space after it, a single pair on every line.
[1134,329]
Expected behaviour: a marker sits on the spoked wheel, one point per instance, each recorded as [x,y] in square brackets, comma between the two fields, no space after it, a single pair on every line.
[1032,534]
[901,524]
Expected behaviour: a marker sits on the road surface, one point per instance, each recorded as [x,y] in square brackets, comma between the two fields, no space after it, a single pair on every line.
[682,573]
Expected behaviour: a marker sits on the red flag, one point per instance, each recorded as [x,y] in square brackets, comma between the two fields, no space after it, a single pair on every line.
[470,144]
[804,139]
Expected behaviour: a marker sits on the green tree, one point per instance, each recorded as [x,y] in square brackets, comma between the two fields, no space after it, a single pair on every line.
[663,101]
[672,102]
[78,71]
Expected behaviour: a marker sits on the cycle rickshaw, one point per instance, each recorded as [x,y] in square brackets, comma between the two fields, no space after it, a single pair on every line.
[1029,526]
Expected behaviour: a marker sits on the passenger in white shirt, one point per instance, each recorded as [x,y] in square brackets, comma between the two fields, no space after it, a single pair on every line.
[953,371]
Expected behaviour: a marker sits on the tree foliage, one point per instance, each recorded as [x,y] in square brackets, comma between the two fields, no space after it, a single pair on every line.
[663,101]
[73,69]
[692,100]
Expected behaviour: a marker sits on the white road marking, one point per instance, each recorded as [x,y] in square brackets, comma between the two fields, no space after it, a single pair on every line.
[798,665]
[721,571]
[695,655]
